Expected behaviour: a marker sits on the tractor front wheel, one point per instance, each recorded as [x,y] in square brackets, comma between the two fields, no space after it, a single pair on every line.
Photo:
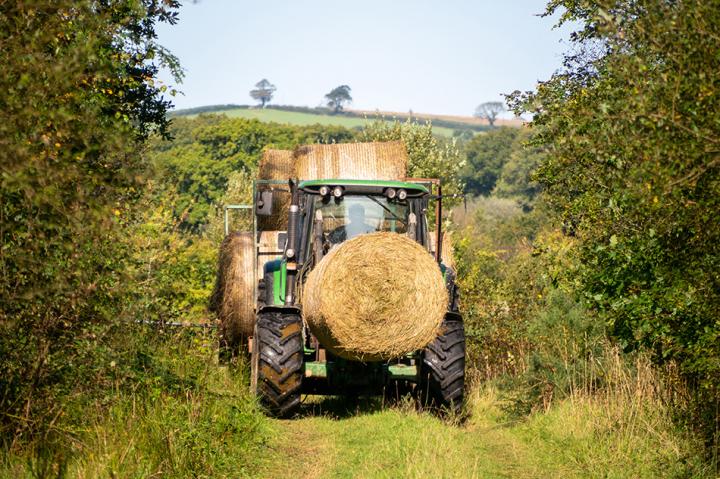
[442,372]
[277,362]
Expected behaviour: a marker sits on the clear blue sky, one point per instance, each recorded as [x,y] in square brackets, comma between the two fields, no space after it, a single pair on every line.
[396,55]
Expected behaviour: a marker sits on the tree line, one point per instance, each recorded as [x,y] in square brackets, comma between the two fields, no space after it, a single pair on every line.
[340,96]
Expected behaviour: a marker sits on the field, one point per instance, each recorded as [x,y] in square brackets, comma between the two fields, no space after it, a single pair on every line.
[299,118]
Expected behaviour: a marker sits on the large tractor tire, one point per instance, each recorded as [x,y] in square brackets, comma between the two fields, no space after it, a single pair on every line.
[442,372]
[277,362]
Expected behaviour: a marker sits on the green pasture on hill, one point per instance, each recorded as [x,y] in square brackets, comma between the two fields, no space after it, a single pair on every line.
[298,118]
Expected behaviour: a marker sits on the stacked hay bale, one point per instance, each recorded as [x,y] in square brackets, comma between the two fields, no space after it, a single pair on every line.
[447,254]
[348,161]
[232,299]
[276,165]
[375,297]
[352,161]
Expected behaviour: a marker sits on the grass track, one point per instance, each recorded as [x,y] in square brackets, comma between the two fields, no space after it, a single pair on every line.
[365,440]
[212,428]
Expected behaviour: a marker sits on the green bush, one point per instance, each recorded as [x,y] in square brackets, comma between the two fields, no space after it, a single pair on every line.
[487,153]
[430,157]
[180,416]
[76,106]
[632,126]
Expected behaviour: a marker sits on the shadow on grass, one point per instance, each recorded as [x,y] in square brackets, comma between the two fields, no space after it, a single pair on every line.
[339,407]
[350,406]
[353,405]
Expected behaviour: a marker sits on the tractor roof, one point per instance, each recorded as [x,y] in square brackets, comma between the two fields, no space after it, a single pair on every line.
[415,187]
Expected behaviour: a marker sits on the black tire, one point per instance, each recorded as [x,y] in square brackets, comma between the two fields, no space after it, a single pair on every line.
[442,372]
[277,362]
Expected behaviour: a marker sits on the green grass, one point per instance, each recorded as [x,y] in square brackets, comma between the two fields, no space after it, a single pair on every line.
[186,417]
[193,418]
[298,118]
[577,439]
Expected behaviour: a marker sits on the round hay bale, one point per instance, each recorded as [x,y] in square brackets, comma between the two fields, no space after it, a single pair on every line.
[352,161]
[447,254]
[375,297]
[232,300]
[276,165]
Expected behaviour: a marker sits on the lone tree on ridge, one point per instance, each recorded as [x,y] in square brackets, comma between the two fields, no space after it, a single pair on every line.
[489,111]
[338,97]
[263,92]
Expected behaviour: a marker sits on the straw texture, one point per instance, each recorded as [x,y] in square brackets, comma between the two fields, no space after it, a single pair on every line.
[232,298]
[276,165]
[375,297]
[352,161]
[447,255]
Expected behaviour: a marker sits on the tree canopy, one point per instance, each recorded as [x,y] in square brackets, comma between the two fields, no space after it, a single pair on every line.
[80,94]
[210,148]
[263,92]
[487,154]
[430,157]
[338,98]
[489,111]
[633,165]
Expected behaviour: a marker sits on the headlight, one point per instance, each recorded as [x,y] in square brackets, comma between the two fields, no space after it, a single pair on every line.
[390,193]
[401,194]
[324,190]
[337,191]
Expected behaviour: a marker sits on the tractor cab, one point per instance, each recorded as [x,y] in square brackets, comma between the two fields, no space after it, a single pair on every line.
[338,210]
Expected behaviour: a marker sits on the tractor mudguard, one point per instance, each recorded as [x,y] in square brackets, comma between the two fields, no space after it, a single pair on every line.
[275,281]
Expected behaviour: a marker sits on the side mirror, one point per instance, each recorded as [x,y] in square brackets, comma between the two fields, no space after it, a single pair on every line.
[264,203]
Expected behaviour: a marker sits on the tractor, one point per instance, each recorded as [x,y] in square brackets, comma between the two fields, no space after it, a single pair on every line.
[287,360]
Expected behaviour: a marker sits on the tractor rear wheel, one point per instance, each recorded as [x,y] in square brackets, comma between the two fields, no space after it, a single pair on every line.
[277,362]
[442,372]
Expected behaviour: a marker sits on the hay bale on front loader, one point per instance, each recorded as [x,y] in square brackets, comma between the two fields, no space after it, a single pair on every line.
[375,297]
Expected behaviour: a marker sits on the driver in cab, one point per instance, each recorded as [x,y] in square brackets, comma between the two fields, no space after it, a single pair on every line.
[355,227]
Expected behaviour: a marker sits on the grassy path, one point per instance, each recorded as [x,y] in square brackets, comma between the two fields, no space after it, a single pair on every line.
[376,442]
[366,440]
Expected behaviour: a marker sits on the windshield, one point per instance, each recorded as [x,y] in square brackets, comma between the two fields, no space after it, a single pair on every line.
[350,216]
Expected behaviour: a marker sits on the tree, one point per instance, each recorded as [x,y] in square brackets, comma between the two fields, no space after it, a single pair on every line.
[80,94]
[338,97]
[516,179]
[631,126]
[263,92]
[208,149]
[487,154]
[489,111]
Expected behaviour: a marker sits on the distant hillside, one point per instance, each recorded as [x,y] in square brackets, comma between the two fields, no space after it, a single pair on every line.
[445,125]
[470,122]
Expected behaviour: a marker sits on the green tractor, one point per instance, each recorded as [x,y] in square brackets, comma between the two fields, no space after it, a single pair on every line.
[287,360]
